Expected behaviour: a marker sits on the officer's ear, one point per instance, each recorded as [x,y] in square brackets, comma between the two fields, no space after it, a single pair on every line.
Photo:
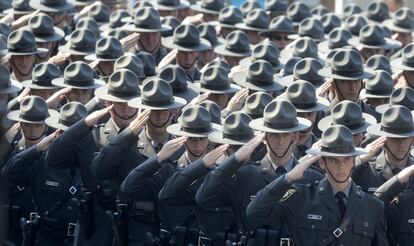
[322,164]
[295,137]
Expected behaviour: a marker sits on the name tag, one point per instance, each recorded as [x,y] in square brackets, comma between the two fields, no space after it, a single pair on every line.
[372,189]
[314,217]
[410,221]
[52,183]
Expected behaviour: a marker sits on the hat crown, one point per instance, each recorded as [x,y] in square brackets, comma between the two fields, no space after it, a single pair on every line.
[347,113]
[256,103]
[397,119]
[89,23]
[71,113]
[330,21]
[221,63]
[290,65]
[348,61]
[148,18]
[187,35]
[172,22]
[337,136]
[22,5]
[267,51]
[248,6]
[354,23]
[4,77]
[261,72]
[115,19]
[298,11]
[351,9]
[195,117]
[79,73]
[230,15]
[256,18]
[208,32]
[123,82]
[319,10]
[338,38]
[237,41]
[130,62]
[311,27]
[5,29]
[34,108]
[148,61]
[83,40]
[157,92]
[276,5]
[307,69]
[280,114]
[301,94]
[378,11]
[21,41]
[213,109]
[403,96]
[236,126]
[109,47]
[41,24]
[408,55]
[215,78]
[305,47]
[215,5]
[175,76]
[99,12]
[404,17]
[382,83]
[281,23]
[44,73]
[372,34]
[379,62]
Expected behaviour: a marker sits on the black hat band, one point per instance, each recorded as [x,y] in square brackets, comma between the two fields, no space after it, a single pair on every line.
[150,25]
[157,103]
[43,33]
[238,136]
[261,82]
[186,43]
[236,49]
[347,73]
[215,87]
[24,49]
[351,126]
[339,150]
[79,83]
[195,130]
[397,130]
[408,63]
[33,117]
[304,105]
[375,42]
[42,82]
[123,93]
[281,124]
[379,92]
[65,122]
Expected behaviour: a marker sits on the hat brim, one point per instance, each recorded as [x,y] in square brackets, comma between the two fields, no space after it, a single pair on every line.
[376,130]
[168,42]
[14,87]
[232,89]
[58,35]
[327,72]
[289,79]
[53,121]
[369,95]
[297,36]
[66,48]
[133,28]
[137,103]
[93,57]
[316,152]
[176,130]
[198,8]
[18,12]
[29,84]
[181,5]
[268,32]
[80,3]
[217,137]
[38,51]
[287,54]
[382,108]
[36,4]
[221,50]
[245,27]
[324,48]
[321,104]
[191,92]
[370,120]
[241,80]
[60,82]
[388,45]
[245,62]
[390,24]
[15,116]
[258,124]
[398,63]
[102,93]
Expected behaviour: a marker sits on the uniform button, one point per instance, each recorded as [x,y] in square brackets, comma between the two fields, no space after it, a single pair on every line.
[313,226]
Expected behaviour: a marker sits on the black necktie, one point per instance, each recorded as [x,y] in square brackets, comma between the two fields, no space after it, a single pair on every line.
[158,147]
[280,171]
[340,200]
[395,171]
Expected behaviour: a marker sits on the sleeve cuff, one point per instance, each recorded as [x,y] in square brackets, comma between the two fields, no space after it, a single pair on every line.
[230,166]
[195,169]
[78,130]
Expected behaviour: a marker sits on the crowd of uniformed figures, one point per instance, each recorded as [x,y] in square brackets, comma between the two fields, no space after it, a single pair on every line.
[168,122]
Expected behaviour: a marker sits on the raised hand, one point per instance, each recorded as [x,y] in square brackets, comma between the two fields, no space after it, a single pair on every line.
[372,149]
[137,124]
[25,92]
[297,172]
[22,21]
[167,59]
[44,144]
[129,41]
[324,88]
[8,19]
[236,102]
[213,156]
[200,98]
[59,59]
[244,153]
[405,174]
[93,118]
[57,97]
[194,19]
[5,60]
[170,148]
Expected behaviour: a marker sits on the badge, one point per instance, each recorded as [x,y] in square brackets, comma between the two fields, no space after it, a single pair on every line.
[288,194]
[52,183]
[314,217]
[372,189]
[410,221]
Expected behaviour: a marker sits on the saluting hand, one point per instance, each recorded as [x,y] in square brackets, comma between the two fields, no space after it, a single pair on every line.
[297,172]
[244,153]
[372,149]
[57,97]
[324,88]
[236,102]
[170,148]
[405,174]
[137,124]
[211,157]
[93,118]
[44,144]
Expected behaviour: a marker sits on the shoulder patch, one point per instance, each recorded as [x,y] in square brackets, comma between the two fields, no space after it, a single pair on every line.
[288,194]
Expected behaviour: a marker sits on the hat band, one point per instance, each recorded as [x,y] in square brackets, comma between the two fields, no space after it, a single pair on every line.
[169,3]
[150,25]
[237,49]
[261,82]
[65,122]
[304,105]
[215,87]
[376,42]
[161,103]
[347,73]
[408,63]
[123,93]
[52,3]
[238,136]
[44,34]
[187,43]
[397,130]
[179,88]
[351,126]
[42,82]
[84,83]
[33,117]
[22,49]
[281,125]
[379,92]
[195,130]
[339,150]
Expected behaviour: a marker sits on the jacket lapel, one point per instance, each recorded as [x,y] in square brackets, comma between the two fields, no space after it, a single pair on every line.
[266,170]
[144,145]
[326,193]
[383,167]
[354,200]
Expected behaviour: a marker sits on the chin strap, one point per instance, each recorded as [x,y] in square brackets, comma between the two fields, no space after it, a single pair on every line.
[393,156]
[274,153]
[125,118]
[195,155]
[333,177]
[340,93]
[163,124]
[15,68]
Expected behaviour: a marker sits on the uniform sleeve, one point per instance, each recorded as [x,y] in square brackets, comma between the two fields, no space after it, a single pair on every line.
[16,169]
[389,190]
[219,185]
[181,188]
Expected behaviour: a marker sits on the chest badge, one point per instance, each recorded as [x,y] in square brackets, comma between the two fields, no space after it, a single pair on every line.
[52,183]
[314,217]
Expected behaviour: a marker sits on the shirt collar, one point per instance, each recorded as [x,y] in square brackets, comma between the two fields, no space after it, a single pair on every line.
[288,166]
[347,190]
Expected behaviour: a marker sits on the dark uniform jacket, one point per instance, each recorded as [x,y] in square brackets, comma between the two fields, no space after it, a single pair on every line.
[399,200]
[369,176]
[311,213]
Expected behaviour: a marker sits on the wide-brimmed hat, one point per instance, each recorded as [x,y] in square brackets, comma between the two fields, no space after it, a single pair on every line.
[131,62]
[209,33]
[279,24]
[215,79]
[248,6]
[69,114]
[255,20]
[170,5]
[297,12]
[22,42]
[319,10]
[310,27]
[305,69]
[259,77]
[208,6]
[377,11]
[401,96]
[396,122]
[337,38]
[81,42]
[33,109]
[148,60]
[5,29]
[87,23]
[51,5]
[372,36]
[99,12]
[280,116]
[42,26]
[82,2]
[406,61]
[170,21]
[402,21]
[115,20]
[78,75]
[379,86]
[347,64]
[349,114]
[379,62]
[235,130]
[213,109]
[290,66]
[157,94]
[230,16]
[107,49]
[147,19]
[267,51]
[177,78]
[8,85]
[303,47]
[236,44]
[336,140]
[122,87]
[330,21]
[256,103]
[276,6]
[302,95]
[186,37]
[42,76]
[20,7]
[350,10]
[355,23]
[195,121]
